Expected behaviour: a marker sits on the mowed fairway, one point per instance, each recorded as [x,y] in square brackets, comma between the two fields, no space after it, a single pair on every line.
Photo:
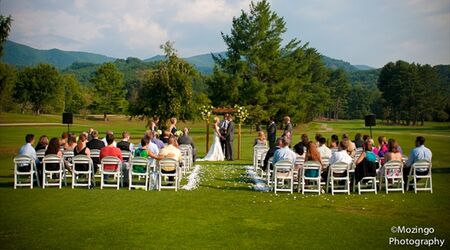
[224,212]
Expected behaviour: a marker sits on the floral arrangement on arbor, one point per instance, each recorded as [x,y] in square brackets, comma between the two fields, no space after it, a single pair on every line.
[241,114]
[206,111]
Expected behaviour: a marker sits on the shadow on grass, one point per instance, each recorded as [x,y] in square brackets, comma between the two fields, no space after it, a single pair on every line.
[239,188]
[235,179]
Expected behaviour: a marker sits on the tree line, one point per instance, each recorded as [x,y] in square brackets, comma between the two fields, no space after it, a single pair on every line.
[269,76]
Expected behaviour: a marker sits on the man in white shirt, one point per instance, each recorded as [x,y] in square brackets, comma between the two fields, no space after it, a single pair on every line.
[109,132]
[342,155]
[28,150]
[324,151]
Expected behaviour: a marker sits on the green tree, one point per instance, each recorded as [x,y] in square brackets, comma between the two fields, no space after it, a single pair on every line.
[167,90]
[8,78]
[339,89]
[40,86]
[75,97]
[5,28]
[109,90]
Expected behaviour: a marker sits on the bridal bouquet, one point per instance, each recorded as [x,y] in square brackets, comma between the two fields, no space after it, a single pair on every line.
[241,113]
[178,133]
[206,111]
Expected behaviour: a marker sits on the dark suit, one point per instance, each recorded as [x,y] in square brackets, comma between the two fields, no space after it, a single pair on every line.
[288,128]
[229,141]
[186,139]
[272,134]
[223,132]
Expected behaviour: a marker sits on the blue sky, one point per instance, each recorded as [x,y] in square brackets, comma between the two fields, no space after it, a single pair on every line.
[371,32]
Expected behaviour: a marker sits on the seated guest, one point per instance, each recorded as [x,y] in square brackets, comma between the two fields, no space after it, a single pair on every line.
[419,153]
[165,137]
[90,134]
[365,137]
[109,132]
[28,150]
[358,141]
[156,140]
[366,164]
[399,149]
[82,149]
[144,151]
[317,137]
[172,152]
[341,155]
[110,150]
[351,146]
[382,146]
[186,139]
[125,143]
[312,154]
[54,148]
[271,152]
[261,139]
[42,144]
[63,140]
[374,149]
[284,153]
[71,142]
[324,151]
[334,142]
[95,143]
[300,147]
[393,153]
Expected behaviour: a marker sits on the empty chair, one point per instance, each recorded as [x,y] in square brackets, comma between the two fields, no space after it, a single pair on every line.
[111,167]
[82,165]
[392,176]
[337,172]
[187,154]
[25,166]
[168,163]
[420,170]
[139,167]
[282,172]
[53,165]
[310,172]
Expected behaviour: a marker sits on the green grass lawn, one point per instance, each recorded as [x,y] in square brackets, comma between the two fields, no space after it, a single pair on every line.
[224,212]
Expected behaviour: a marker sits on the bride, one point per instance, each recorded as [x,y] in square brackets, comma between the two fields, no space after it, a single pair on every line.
[215,152]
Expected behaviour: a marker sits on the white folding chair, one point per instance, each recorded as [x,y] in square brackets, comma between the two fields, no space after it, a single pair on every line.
[339,171]
[420,170]
[168,163]
[186,153]
[68,156]
[76,174]
[116,173]
[257,151]
[269,172]
[40,154]
[299,161]
[95,156]
[282,172]
[310,165]
[261,163]
[53,159]
[25,160]
[392,176]
[126,155]
[135,162]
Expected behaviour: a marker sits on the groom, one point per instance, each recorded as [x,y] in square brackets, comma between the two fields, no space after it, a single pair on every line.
[229,139]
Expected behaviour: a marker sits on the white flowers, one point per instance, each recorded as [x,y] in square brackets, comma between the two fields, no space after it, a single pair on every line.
[206,111]
[241,113]
[178,133]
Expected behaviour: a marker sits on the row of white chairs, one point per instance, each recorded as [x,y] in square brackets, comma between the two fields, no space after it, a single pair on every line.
[391,175]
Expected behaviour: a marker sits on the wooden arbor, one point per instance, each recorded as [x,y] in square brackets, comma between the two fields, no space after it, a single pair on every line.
[222,111]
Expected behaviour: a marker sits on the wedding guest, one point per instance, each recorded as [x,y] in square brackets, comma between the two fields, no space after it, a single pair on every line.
[271,152]
[27,149]
[172,152]
[54,148]
[334,142]
[324,151]
[155,139]
[288,128]
[63,140]
[312,154]
[186,139]
[144,151]
[95,143]
[399,148]
[341,155]
[317,137]
[165,137]
[82,149]
[419,153]
[154,123]
[42,144]
[374,149]
[261,139]
[272,132]
[351,146]
[358,140]
[110,150]
[125,144]
[109,132]
[382,146]
[172,127]
[366,164]
[365,137]
[90,134]
[284,153]
[300,147]
[393,153]
[71,142]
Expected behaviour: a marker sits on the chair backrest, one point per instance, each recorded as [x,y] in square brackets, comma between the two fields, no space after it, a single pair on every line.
[339,167]
[52,159]
[22,160]
[185,146]
[126,155]
[168,162]
[139,161]
[325,161]
[68,154]
[40,154]
[422,165]
[357,155]
[111,160]
[360,149]
[312,165]
[283,166]
[95,153]
[335,149]
[300,160]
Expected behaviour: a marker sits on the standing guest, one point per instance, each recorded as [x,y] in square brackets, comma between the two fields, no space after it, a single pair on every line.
[312,154]
[42,144]
[419,153]
[125,144]
[284,153]
[288,128]
[186,139]
[272,132]
[223,126]
[382,146]
[53,148]
[95,143]
[271,152]
[154,123]
[334,142]
[109,132]
[172,127]
[28,150]
[261,139]
[358,140]
[300,147]
[90,134]
[172,152]
[110,150]
[82,149]
[366,164]
[155,139]
[324,151]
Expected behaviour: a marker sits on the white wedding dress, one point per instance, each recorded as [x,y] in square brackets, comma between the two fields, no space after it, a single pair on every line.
[215,152]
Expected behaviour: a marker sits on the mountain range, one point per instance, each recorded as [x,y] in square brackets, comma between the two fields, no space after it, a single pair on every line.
[21,55]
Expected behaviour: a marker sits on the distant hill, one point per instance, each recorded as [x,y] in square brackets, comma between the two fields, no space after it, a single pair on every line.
[340,64]
[22,55]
